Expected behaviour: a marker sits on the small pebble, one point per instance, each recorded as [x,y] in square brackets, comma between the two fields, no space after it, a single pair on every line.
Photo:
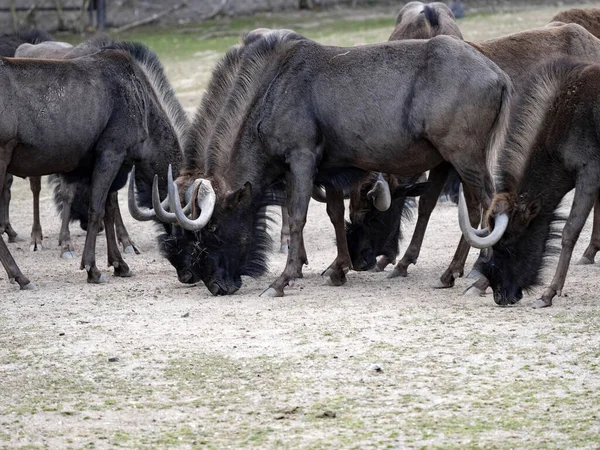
[375,368]
[187,314]
[113,359]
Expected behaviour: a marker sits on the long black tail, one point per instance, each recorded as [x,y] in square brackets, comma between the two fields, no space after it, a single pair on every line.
[81,202]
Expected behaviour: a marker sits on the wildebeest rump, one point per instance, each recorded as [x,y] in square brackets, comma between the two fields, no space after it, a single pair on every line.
[588,18]
[8,45]
[72,196]
[302,110]
[552,147]
[89,125]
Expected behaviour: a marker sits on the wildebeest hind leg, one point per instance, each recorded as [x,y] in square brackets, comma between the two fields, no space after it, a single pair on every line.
[457,266]
[106,168]
[5,226]
[67,192]
[128,245]
[437,179]
[299,185]
[582,206]
[35,183]
[342,263]
[590,252]
[114,256]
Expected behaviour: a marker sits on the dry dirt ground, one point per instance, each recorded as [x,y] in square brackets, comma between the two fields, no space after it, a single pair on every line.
[148,362]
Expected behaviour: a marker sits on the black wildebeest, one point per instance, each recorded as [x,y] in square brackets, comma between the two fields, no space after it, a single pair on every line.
[309,112]
[552,147]
[100,114]
[518,54]
[8,45]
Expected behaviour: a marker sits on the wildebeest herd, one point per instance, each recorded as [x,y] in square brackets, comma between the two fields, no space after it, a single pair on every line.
[285,118]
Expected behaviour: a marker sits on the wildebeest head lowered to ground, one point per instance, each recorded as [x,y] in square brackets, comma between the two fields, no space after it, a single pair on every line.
[299,109]
[101,114]
[552,147]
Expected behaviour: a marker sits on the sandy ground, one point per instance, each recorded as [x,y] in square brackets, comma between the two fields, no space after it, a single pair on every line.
[149,362]
[243,370]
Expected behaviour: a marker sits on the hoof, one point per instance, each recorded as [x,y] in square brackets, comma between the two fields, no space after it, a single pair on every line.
[584,261]
[541,303]
[129,250]
[36,247]
[271,292]
[125,274]
[473,291]
[327,272]
[68,255]
[13,239]
[100,280]
[397,273]
[439,284]
[474,275]
[29,287]
[284,249]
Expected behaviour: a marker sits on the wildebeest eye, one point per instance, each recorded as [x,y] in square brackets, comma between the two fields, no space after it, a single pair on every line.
[212,228]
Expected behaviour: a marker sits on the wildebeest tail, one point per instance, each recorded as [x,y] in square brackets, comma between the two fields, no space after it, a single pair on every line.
[529,114]
[80,205]
[432,16]
[500,127]
[9,42]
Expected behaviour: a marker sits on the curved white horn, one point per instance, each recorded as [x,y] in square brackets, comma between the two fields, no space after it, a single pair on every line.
[479,238]
[159,207]
[143,215]
[206,202]
[380,194]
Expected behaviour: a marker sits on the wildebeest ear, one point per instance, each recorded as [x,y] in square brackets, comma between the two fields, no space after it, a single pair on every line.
[411,190]
[533,209]
[240,197]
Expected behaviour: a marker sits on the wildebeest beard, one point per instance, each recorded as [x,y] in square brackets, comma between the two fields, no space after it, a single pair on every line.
[515,263]
[220,256]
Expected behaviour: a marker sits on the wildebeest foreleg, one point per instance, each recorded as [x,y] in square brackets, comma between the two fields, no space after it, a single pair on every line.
[335,209]
[68,191]
[285,230]
[114,256]
[35,183]
[590,252]
[437,179]
[128,245]
[13,271]
[299,187]
[582,206]
[457,266]
[106,168]
[5,226]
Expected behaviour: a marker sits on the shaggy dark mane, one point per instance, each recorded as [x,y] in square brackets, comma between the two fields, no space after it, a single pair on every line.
[257,262]
[216,95]
[432,15]
[528,118]
[258,67]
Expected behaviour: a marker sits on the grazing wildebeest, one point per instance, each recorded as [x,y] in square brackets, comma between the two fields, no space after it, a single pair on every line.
[588,18]
[72,198]
[518,54]
[8,45]
[310,112]
[380,238]
[182,247]
[552,147]
[100,114]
